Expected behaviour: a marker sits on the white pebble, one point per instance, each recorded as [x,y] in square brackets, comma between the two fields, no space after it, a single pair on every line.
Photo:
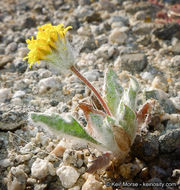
[68,176]
[18,94]
[117,36]
[92,183]
[75,188]
[5,93]
[147,76]
[48,83]
[41,168]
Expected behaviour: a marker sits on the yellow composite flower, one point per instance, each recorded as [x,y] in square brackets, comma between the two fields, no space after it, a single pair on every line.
[51,46]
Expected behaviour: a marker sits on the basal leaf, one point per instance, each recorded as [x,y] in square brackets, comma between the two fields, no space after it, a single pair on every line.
[112,91]
[130,96]
[102,130]
[127,120]
[62,124]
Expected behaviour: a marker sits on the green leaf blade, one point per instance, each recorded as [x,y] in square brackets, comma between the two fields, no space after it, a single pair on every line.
[102,130]
[68,126]
[130,96]
[127,120]
[112,91]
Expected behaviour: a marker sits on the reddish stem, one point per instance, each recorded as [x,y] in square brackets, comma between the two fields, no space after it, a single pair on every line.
[91,87]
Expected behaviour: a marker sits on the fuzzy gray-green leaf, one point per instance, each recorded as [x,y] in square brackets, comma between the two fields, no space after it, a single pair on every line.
[127,120]
[130,96]
[64,125]
[113,91]
[102,130]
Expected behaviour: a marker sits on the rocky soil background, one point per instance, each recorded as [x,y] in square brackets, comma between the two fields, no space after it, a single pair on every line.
[120,34]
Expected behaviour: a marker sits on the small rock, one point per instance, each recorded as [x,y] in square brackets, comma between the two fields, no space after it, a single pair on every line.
[133,8]
[168,31]
[5,94]
[160,83]
[83,12]
[128,171]
[142,28]
[41,168]
[12,117]
[23,158]
[38,8]
[105,51]
[146,147]
[121,19]
[176,102]
[16,179]
[84,2]
[5,163]
[73,21]
[31,181]
[4,59]
[28,22]
[58,4]
[95,17]
[176,173]
[75,188]
[62,107]
[97,29]
[118,25]
[71,157]
[12,47]
[59,150]
[132,62]
[92,183]
[118,37]
[27,148]
[176,47]
[40,186]
[107,5]
[84,31]
[162,98]
[19,94]
[145,40]
[175,62]
[54,103]
[20,65]
[51,83]
[140,15]
[147,76]
[88,43]
[2,49]
[101,39]
[92,75]
[67,175]
[22,52]
[44,73]
[170,141]
[144,174]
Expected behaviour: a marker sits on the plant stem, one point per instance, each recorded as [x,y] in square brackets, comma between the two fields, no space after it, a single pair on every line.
[91,87]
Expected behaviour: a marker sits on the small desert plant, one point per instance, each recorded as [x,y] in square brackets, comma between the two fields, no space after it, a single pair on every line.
[113,129]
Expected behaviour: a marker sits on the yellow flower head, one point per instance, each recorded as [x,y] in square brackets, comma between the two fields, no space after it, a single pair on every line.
[51,46]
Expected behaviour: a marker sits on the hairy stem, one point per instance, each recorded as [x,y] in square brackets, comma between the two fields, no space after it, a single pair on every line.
[91,87]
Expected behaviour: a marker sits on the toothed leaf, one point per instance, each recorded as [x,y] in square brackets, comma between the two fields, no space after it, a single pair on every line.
[113,91]
[65,125]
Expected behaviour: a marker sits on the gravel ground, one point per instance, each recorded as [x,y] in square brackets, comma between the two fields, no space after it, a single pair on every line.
[120,34]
